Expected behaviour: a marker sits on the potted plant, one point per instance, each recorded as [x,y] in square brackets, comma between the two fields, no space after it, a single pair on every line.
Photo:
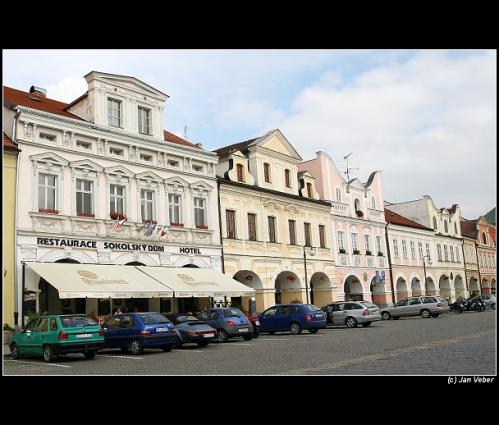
[48,211]
[342,251]
[380,254]
[368,253]
[359,213]
[176,224]
[8,332]
[201,226]
[117,215]
[356,251]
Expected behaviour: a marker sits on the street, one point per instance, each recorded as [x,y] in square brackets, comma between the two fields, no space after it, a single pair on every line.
[452,344]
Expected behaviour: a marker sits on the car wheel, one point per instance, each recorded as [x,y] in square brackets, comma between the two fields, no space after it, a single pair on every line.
[366,324]
[14,351]
[203,343]
[385,315]
[295,328]
[247,337]
[167,348]
[313,331]
[425,314]
[48,353]
[351,322]
[493,306]
[222,336]
[89,355]
[135,347]
[178,342]
[256,331]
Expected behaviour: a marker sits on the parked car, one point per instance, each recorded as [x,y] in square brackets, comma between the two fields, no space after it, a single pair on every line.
[489,300]
[229,322]
[191,329]
[293,318]
[352,313]
[50,336]
[424,306]
[136,331]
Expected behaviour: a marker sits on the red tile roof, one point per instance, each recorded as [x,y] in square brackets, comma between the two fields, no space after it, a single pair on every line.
[170,137]
[394,218]
[492,231]
[13,97]
[240,146]
[8,143]
[468,228]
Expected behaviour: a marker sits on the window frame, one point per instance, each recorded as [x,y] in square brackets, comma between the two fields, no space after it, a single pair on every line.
[140,116]
[230,225]
[110,117]
[146,202]
[271,220]
[46,189]
[83,191]
[252,231]
[292,231]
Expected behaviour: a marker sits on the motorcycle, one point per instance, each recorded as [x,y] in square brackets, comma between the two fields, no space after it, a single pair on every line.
[467,305]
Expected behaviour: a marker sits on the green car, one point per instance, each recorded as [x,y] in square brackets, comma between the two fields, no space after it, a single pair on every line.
[50,336]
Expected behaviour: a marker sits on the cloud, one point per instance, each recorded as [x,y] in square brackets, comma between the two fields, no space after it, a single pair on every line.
[67,89]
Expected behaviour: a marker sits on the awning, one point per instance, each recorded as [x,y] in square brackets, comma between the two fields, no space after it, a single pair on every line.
[193,282]
[100,281]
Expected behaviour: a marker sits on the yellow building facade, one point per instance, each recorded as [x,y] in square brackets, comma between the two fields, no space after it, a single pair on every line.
[9,171]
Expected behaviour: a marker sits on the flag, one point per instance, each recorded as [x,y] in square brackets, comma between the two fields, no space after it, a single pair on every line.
[118,223]
[163,230]
[150,229]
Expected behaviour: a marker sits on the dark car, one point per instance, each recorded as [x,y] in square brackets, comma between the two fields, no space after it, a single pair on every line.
[191,329]
[229,322]
[136,331]
[293,318]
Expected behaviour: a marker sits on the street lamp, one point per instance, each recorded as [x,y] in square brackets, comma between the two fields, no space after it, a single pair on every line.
[424,268]
[312,253]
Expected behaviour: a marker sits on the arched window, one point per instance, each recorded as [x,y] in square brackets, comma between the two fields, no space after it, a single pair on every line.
[434,223]
[484,238]
[338,194]
[446,227]
[373,202]
[357,205]
[240,172]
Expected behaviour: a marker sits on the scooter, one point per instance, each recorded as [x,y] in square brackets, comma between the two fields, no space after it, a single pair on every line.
[467,305]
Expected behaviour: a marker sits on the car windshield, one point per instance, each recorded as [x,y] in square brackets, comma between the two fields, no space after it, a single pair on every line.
[153,319]
[310,307]
[77,321]
[233,312]
[186,318]
[368,304]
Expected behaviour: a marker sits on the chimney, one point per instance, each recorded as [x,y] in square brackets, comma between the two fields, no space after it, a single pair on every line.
[38,91]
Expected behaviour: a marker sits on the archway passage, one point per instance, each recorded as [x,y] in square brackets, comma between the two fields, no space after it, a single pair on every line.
[49,301]
[251,279]
[191,266]
[401,289]
[353,289]
[445,288]
[135,263]
[416,287]
[431,288]
[474,287]
[459,288]
[288,289]
[321,289]
[486,289]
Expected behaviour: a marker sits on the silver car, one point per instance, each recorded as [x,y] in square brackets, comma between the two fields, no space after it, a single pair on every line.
[489,300]
[424,306]
[352,313]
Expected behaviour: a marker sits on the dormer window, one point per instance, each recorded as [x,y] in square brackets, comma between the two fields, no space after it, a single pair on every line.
[358,211]
[114,112]
[144,120]
[484,238]
[309,190]
[455,228]
[240,173]
[338,194]
[434,223]
[287,177]
[266,172]
[373,202]
[446,227]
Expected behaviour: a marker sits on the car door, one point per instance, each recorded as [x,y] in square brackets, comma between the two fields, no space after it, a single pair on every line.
[400,309]
[267,319]
[414,306]
[128,329]
[52,333]
[23,339]
[112,332]
[283,317]
[38,336]
[339,314]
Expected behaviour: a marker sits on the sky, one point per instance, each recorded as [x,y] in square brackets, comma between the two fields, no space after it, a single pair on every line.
[427,119]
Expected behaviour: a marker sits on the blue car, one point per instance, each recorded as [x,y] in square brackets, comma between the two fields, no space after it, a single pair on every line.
[229,322]
[136,331]
[293,318]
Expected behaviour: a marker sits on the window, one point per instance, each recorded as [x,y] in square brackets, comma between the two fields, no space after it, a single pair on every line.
[341,242]
[357,205]
[116,151]
[114,112]
[145,157]
[199,212]
[84,194]
[414,301]
[420,249]
[47,189]
[435,223]
[458,259]
[197,168]
[428,251]
[309,190]
[47,137]
[373,202]
[147,204]
[338,194]
[172,163]
[446,253]
[287,177]
[52,324]
[266,171]
[83,145]
[322,236]
[413,250]
[379,245]
[252,227]
[117,199]
[175,208]
[230,216]
[451,249]
[446,227]
[292,232]
[439,252]
[355,245]
[455,228]
[484,238]
[42,325]
[396,247]
[240,172]
[404,249]
[306,228]
[272,229]
[144,120]
[367,243]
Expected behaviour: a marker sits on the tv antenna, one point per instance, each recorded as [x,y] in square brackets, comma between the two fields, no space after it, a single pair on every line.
[348,169]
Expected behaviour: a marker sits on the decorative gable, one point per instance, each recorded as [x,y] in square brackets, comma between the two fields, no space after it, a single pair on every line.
[48,160]
[149,176]
[275,141]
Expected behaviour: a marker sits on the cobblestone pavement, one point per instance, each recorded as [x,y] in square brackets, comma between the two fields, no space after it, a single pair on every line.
[451,344]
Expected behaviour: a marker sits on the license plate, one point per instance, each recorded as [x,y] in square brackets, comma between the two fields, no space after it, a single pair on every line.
[162,329]
[319,315]
[257,323]
[243,330]
[209,335]
[83,335]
